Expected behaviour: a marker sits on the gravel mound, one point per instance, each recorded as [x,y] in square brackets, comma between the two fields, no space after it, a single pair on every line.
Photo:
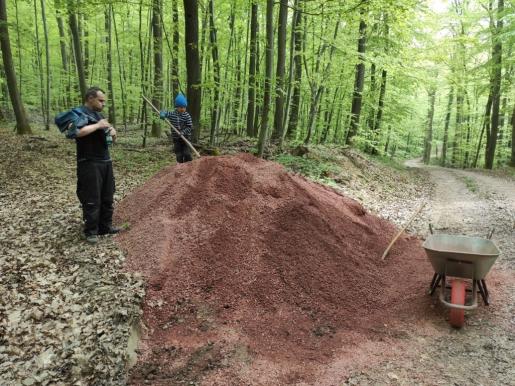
[247,264]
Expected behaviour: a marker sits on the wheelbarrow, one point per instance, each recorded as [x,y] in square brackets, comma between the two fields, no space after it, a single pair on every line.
[467,260]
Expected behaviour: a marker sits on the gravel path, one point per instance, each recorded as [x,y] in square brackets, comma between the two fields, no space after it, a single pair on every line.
[483,352]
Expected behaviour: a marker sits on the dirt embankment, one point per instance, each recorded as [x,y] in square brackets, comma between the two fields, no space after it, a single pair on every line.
[257,276]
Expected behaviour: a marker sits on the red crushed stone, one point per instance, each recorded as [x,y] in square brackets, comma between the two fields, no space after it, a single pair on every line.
[258,276]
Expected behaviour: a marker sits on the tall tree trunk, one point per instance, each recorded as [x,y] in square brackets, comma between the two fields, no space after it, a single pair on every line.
[64,55]
[458,129]
[496,87]
[174,75]
[379,114]
[297,31]
[193,63]
[372,92]
[121,69]
[358,84]
[269,62]
[77,50]
[446,126]
[47,65]
[235,123]
[157,35]
[290,66]
[387,144]
[84,32]
[278,132]
[467,139]
[22,123]
[429,131]
[109,57]
[143,117]
[18,42]
[39,64]
[251,112]
[215,116]
[485,127]
[512,163]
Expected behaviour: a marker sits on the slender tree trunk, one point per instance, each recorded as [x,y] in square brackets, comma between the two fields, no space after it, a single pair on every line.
[387,144]
[251,112]
[358,84]
[215,115]
[143,117]
[47,65]
[174,75]
[121,69]
[446,126]
[458,129]
[157,35]
[297,31]
[269,62]
[379,115]
[235,123]
[429,132]
[18,42]
[291,62]
[84,32]
[79,64]
[372,95]
[39,64]
[512,163]
[193,63]
[496,87]
[485,127]
[109,57]
[22,123]
[467,139]
[64,56]
[278,132]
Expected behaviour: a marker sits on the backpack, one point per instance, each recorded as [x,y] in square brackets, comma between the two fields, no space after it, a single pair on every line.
[70,121]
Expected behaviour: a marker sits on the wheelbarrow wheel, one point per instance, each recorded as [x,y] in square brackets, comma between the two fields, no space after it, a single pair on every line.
[457,316]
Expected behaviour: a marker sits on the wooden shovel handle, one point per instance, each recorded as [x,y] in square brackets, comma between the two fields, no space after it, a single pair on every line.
[174,128]
[402,230]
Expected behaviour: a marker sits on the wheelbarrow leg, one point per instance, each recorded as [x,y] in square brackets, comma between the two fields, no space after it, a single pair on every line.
[434,283]
[483,291]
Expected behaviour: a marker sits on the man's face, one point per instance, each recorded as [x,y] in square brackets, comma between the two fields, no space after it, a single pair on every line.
[181,109]
[97,103]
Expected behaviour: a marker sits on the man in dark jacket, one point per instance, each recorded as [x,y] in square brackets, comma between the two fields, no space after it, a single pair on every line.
[95,179]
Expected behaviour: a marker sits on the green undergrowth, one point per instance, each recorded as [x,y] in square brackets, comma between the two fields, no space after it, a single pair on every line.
[311,167]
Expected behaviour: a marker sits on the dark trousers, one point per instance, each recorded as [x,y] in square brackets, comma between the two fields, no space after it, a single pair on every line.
[95,189]
[181,150]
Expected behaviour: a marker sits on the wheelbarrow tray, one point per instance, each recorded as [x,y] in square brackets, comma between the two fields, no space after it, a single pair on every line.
[461,256]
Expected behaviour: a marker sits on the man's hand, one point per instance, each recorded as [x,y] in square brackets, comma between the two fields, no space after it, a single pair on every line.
[103,123]
[112,131]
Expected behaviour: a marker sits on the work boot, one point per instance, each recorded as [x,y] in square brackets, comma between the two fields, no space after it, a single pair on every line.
[91,239]
[109,231]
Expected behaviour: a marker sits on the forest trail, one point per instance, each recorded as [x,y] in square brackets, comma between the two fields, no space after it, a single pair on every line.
[469,203]
[472,203]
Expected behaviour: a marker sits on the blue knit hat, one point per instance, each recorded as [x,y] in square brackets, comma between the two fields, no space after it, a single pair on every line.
[180,101]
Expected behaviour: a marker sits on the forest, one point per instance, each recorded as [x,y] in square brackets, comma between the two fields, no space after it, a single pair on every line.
[400,78]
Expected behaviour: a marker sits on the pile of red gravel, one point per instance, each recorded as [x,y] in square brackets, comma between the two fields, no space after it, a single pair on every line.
[247,263]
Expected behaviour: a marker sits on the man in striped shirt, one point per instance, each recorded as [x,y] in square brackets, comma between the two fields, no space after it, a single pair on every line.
[181,120]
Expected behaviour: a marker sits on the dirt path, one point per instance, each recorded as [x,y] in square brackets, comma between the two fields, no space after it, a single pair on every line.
[469,203]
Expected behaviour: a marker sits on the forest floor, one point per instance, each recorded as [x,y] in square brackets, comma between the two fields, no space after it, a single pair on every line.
[68,310]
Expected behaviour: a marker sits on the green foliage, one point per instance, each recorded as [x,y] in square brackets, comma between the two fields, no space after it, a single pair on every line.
[419,47]
[314,167]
